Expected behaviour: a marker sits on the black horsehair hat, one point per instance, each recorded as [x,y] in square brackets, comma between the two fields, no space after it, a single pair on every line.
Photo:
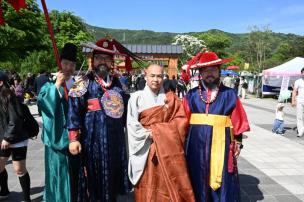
[69,52]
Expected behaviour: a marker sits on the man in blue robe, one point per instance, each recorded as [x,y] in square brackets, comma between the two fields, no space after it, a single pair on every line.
[217,121]
[96,121]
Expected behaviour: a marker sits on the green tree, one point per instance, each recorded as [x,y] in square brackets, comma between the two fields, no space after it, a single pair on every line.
[37,61]
[283,52]
[25,44]
[23,32]
[259,46]
[216,42]
[237,61]
[69,28]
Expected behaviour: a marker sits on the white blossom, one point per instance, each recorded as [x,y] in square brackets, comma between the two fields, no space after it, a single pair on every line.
[190,44]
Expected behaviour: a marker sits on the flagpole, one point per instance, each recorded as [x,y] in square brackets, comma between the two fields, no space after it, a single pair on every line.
[50,28]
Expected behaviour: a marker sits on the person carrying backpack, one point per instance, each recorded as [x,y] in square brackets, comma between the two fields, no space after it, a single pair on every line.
[244,87]
[13,140]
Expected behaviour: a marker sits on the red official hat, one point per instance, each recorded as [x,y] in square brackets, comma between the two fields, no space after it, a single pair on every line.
[112,47]
[209,59]
[107,45]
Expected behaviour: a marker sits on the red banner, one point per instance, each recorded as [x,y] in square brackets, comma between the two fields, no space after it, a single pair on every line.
[17,4]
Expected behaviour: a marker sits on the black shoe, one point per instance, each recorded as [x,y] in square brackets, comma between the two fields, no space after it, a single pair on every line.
[4,195]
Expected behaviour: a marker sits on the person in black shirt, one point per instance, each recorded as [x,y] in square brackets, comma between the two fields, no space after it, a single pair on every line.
[40,81]
[13,139]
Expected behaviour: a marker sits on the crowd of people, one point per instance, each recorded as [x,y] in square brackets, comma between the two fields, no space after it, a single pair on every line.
[238,83]
[106,135]
[26,89]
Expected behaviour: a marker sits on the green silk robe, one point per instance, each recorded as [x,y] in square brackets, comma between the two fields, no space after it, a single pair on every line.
[55,138]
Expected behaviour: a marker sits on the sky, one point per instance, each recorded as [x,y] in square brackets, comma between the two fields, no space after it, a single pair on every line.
[180,16]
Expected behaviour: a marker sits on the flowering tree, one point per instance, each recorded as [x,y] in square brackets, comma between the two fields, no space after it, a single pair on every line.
[191,46]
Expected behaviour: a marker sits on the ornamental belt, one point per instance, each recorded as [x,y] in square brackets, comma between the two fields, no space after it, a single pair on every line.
[93,105]
[219,123]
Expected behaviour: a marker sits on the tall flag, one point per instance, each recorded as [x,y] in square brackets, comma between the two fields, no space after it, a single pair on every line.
[17,5]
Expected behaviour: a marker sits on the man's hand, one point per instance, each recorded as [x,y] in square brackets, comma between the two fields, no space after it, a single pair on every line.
[293,97]
[237,149]
[75,147]
[5,144]
[60,79]
[293,103]
[150,134]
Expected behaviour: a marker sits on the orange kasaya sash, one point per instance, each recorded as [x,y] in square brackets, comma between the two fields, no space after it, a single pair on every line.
[165,177]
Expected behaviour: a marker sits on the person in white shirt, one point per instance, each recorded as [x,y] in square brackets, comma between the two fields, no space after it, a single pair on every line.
[244,87]
[278,125]
[227,81]
[298,100]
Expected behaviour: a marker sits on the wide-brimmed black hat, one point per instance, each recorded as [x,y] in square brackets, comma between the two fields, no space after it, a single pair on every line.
[69,52]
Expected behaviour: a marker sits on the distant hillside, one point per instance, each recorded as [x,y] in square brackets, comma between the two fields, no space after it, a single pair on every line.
[133,36]
[151,37]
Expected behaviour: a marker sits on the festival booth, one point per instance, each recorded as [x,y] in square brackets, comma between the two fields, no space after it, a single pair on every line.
[281,77]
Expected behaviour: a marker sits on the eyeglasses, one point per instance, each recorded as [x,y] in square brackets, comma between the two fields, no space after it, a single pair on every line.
[103,58]
[209,69]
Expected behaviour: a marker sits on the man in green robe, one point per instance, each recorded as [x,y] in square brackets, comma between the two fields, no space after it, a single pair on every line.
[52,101]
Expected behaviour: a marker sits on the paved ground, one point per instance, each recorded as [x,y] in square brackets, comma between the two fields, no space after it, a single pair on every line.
[271,166]
[279,158]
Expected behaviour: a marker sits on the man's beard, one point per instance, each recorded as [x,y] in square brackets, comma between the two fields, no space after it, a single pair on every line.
[212,84]
[102,71]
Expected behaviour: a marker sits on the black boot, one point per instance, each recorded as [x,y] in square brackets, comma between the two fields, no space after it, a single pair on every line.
[4,192]
[25,183]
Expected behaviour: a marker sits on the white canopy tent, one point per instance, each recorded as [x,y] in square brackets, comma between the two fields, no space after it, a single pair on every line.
[272,78]
[291,68]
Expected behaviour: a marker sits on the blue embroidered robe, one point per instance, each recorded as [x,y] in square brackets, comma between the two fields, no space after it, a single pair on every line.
[103,172]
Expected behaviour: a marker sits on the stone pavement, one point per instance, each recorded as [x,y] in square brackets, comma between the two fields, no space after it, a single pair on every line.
[280,158]
[271,166]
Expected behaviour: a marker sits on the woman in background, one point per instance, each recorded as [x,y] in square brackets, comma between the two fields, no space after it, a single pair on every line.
[13,140]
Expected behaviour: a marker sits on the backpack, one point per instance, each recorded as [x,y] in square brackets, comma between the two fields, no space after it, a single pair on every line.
[245,85]
[30,125]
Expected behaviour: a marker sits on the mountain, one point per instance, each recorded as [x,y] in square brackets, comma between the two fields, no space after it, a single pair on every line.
[133,36]
[151,37]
